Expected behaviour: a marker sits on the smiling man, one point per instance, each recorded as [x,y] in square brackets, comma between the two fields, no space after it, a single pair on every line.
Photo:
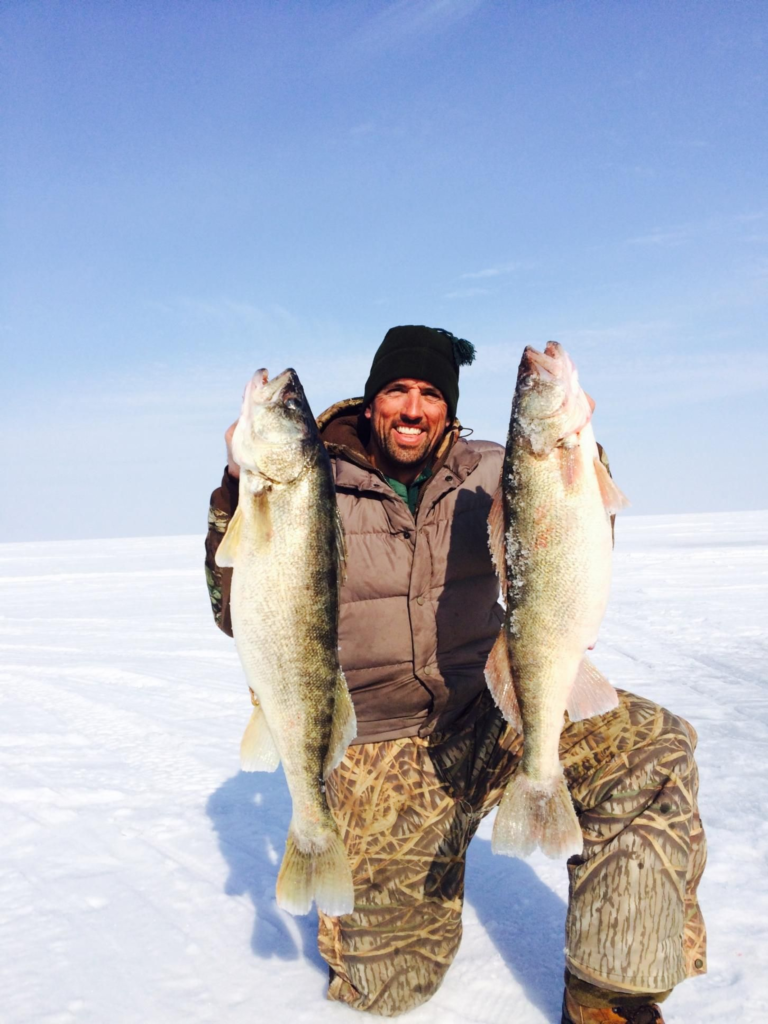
[419,614]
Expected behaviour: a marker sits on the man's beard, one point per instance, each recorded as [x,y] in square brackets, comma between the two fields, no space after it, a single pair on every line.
[406,456]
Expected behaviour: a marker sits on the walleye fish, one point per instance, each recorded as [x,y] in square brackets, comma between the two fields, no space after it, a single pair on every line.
[286,549]
[550,537]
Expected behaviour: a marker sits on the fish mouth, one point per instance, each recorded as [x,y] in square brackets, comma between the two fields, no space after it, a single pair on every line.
[551,365]
[263,391]
[553,372]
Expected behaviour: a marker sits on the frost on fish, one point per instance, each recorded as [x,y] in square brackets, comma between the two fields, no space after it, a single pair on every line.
[286,549]
[550,538]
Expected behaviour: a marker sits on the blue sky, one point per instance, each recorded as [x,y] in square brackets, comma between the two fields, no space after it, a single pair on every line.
[193,190]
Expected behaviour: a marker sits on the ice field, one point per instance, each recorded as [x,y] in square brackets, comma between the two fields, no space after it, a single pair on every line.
[138,864]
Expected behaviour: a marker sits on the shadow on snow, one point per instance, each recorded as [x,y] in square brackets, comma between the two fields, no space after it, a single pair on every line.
[250,813]
[525,920]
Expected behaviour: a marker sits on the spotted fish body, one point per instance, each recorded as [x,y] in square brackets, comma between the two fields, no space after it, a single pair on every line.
[550,534]
[285,547]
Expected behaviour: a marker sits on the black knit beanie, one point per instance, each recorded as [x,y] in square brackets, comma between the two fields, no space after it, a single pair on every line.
[424,353]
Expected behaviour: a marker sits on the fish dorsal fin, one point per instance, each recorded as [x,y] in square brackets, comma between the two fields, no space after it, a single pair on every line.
[498,676]
[343,728]
[613,499]
[226,551]
[496,538]
[591,693]
[258,752]
[341,547]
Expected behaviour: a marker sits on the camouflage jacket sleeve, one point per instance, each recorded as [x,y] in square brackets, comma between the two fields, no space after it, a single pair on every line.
[222,508]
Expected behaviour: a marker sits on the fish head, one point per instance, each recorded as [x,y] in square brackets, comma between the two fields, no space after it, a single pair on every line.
[550,404]
[275,428]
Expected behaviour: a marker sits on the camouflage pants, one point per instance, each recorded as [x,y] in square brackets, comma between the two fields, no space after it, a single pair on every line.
[408,808]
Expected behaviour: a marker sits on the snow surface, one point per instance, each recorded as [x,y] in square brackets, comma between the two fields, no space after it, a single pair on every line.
[138,865]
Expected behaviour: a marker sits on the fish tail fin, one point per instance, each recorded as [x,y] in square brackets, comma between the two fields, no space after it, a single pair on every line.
[323,875]
[334,891]
[536,814]
[258,752]
[294,882]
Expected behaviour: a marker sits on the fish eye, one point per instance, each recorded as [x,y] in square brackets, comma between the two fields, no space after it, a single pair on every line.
[291,403]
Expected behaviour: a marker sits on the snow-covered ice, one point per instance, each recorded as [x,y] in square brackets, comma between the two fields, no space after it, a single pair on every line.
[138,865]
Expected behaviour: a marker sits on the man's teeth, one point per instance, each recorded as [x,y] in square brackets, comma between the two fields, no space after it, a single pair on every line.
[408,430]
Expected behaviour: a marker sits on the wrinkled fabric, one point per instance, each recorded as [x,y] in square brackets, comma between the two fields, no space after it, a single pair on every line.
[408,808]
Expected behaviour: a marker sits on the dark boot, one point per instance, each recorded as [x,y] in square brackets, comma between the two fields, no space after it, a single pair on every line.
[575,1013]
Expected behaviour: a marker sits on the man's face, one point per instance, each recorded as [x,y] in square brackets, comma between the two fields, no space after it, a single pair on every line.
[408,420]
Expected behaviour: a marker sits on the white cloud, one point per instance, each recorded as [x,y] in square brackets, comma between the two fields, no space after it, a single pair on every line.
[504,268]
[681,233]
[466,293]
[409,18]
[676,236]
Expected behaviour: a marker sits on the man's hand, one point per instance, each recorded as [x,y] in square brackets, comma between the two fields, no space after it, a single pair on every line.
[232,466]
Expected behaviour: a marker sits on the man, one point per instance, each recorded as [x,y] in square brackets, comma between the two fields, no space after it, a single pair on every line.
[419,615]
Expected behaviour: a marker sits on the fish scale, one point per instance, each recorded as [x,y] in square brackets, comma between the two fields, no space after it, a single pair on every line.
[285,547]
[550,535]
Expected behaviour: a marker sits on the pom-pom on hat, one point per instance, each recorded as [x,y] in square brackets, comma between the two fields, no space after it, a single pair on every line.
[424,353]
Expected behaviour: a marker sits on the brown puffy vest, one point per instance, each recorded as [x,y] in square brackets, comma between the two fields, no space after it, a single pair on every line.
[419,607]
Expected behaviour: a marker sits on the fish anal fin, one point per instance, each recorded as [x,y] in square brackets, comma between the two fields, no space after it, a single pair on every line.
[613,499]
[343,727]
[591,694]
[498,676]
[227,550]
[496,538]
[258,752]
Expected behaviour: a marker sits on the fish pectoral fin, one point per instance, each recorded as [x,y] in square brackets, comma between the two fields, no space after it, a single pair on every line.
[613,499]
[571,464]
[343,727]
[258,752]
[226,551]
[498,676]
[591,694]
[496,538]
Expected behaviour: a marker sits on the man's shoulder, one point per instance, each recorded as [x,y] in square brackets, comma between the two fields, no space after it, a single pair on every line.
[480,459]
[486,453]
[486,447]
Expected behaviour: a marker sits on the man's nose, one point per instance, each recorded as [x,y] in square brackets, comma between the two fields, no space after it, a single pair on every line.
[413,404]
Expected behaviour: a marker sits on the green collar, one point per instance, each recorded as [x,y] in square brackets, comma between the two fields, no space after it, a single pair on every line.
[410,492]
